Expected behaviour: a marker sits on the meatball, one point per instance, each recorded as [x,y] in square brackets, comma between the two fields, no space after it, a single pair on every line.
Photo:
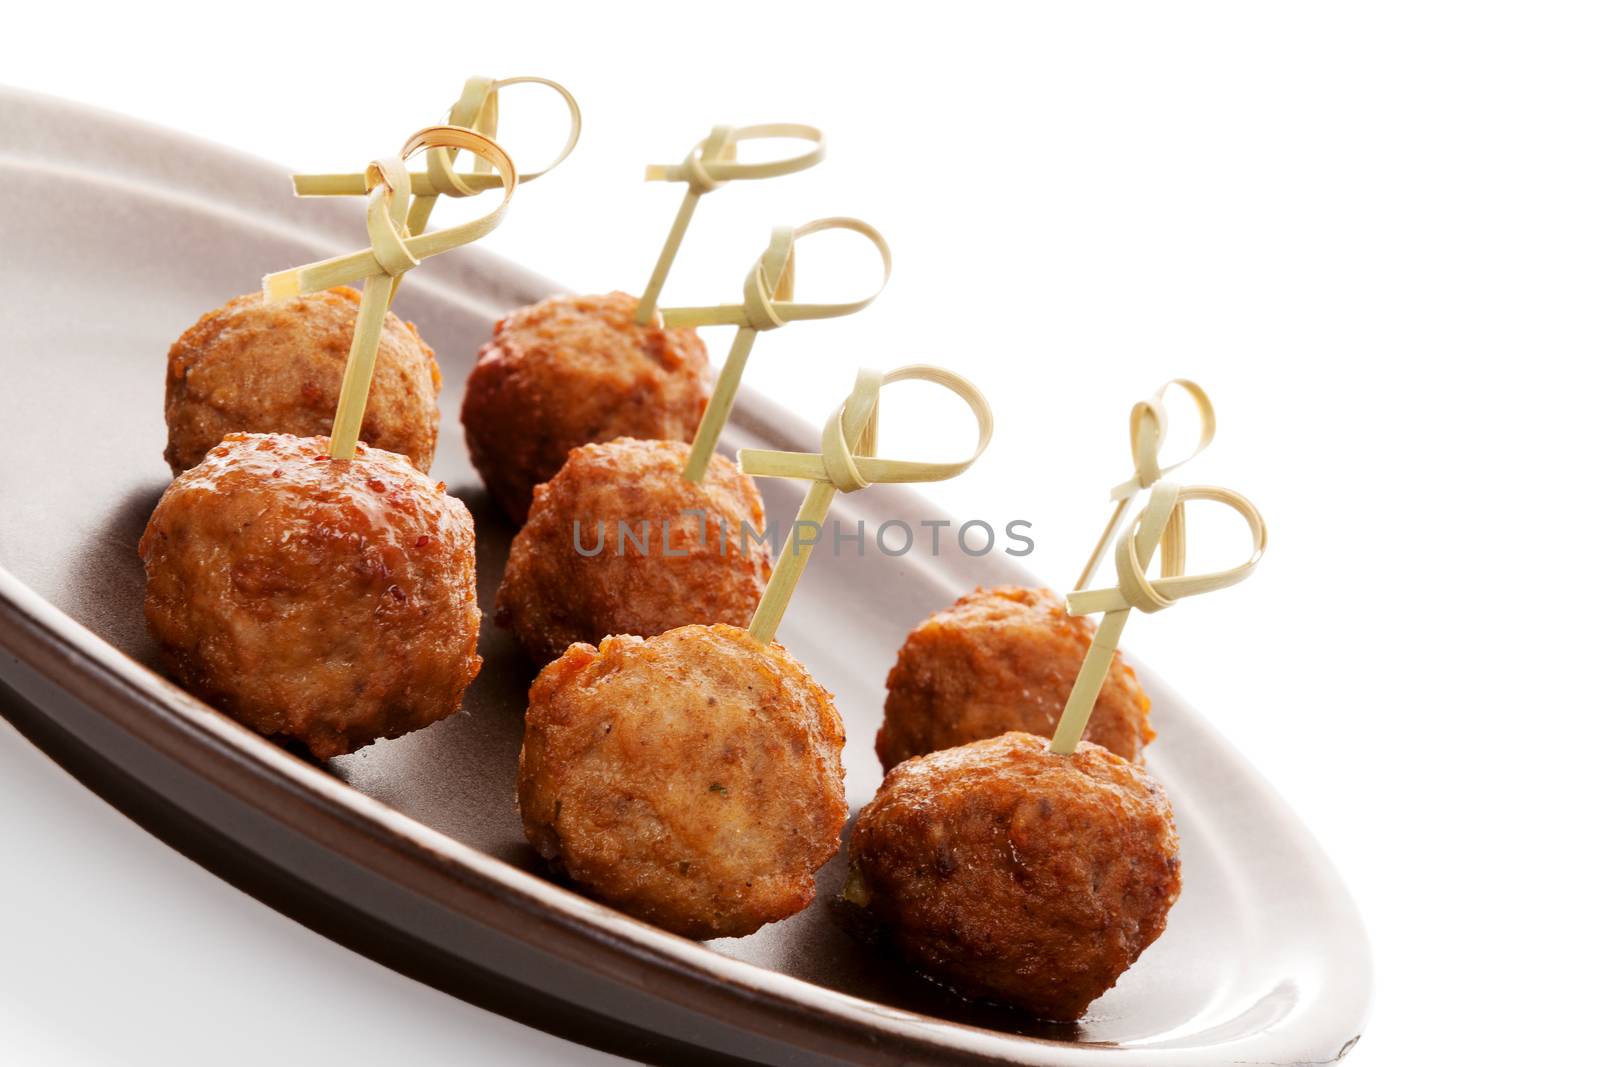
[997,660]
[331,602]
[691,779]
[257,367]
[1015,875]
[608,549]
[570,370]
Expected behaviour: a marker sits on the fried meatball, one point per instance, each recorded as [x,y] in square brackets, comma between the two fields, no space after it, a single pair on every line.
[691,779]
[331,602]
[257,367]
[570,370]
[690,569]
[997,660]
[1017,876]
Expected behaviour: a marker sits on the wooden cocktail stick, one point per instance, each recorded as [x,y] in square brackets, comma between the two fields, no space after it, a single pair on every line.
[1160,523]
[476,109]
[1148,428]
[393,252]
[768,304]
[708,166]
[847,462]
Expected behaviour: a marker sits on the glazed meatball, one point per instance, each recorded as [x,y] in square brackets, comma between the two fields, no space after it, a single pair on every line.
[571,370]
[997,660]
[257,367]
[330,602]
[1017,876]
[692,779]
[573,576]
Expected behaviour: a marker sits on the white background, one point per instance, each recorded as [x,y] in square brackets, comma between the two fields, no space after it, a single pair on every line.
[1372,230]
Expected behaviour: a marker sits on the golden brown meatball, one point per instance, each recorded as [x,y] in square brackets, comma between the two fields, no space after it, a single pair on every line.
[692,779]
[257,367]
[554,594]
[1015,875]
[997,660]
[331,602]
[570,370]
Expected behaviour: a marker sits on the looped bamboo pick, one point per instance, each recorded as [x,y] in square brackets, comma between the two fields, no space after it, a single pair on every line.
[847,462]
[1161,522]
[768,304]
[476,109]
[1147,426]
[394,251]
[708,166]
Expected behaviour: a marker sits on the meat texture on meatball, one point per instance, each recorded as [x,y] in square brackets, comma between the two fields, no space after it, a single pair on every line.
[1018,876]
[692,780]
[997,660]
[575,575]
[252,366]
[571,370]
[331,602]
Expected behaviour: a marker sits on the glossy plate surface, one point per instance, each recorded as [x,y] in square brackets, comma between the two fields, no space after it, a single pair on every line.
[411,850]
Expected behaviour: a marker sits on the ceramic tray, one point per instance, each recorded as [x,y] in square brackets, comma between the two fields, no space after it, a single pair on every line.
[410,851]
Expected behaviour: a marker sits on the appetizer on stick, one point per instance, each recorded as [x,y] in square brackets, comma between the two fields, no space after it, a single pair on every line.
[574,370]
[331,602]
[1015,875]
[1033,873]
[619,542]
[253,366]
[1006,658]
[259,366]
[693,778]
[318,589]
[624,538]
[997,660]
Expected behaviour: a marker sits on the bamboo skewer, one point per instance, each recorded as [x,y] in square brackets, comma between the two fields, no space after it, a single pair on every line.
[708,166]
[393,251]
[476,109]
[768,304]
[1148,430]
[1161,523]
[847,462]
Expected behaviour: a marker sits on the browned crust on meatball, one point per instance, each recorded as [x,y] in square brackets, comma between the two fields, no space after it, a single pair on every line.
[553,595]
[332,602]
[257,367]
[1003,659]
[571,370]
[1017,876]
[692,780]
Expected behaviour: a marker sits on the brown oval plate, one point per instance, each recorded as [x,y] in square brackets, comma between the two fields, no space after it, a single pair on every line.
[411,851]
